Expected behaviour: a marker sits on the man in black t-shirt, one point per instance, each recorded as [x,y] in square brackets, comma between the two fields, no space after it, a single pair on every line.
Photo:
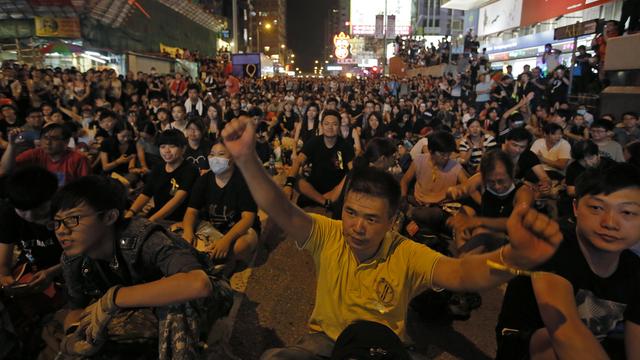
[528,165]
[330,158]
[168,184]
[586,303]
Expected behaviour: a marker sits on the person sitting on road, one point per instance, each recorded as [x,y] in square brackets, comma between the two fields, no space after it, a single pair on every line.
[27,283]
[52,154]
[434,172]
[361,252]
[586,303]
[483,224]
[221,217]
[330,158]
[169,184]
[130,280]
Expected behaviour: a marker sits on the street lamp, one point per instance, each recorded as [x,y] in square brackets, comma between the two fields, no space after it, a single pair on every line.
[316,61]
[282,46]
[267,26]
[292,61]
[293,55]
[326,61]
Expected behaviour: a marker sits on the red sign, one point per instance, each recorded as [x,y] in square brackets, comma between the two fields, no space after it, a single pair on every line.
[535,11]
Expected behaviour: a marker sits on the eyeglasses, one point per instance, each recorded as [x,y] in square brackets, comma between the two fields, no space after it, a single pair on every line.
[69,222]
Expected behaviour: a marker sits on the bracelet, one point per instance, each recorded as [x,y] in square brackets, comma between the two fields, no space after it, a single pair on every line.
[506,268]
[291,180]
[327,203]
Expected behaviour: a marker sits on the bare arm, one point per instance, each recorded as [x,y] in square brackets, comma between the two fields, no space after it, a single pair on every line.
[6,263]
[106,165]
[174,289]
[570,338]
[239,136]
[406,179]
[632,340]
[170,206]
[189,224]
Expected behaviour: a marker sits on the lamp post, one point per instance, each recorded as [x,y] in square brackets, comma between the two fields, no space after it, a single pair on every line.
[267,26]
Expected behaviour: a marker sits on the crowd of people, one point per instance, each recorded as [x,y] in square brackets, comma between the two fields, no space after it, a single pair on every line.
[129,200]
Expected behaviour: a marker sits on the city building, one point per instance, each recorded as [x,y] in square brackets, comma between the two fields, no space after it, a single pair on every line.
[514,32]
[268,29]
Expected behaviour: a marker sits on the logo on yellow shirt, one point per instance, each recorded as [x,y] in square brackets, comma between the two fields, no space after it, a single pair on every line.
[385,292]
[174,187]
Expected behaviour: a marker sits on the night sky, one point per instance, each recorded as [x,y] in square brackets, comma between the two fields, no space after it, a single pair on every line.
[305,30]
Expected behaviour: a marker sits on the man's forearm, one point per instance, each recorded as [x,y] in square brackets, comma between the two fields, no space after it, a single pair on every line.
[470,273]
[309,191]
[496,224]
[272,200]
[174,289]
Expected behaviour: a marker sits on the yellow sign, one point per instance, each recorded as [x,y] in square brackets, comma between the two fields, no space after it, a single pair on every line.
[342,43]
[48,26]
[171,51]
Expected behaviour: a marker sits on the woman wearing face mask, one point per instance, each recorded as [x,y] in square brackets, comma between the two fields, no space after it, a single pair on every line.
[221,217]
[482,223]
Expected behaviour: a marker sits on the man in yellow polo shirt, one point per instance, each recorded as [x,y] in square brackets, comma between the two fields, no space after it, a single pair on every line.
[366,271]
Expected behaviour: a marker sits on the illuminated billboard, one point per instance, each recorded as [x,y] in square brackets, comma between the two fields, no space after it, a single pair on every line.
[499,16]
[363,15]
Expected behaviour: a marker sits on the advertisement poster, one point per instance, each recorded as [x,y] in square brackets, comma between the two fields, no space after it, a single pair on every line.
[47,26]
[499,16]
[535,11]
[364,12]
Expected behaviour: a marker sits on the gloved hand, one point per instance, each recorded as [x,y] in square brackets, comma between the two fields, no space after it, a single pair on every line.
[72,344]
[95,317]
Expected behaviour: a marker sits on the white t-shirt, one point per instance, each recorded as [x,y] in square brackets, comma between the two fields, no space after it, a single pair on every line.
[561,150]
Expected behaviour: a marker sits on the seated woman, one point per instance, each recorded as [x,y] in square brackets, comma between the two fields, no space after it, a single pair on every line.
[483,225]
[474,145]
[169,183]
[118,152]
[221,218]
[198,145]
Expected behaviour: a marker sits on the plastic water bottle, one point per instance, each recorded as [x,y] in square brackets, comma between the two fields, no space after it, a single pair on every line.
[272,165]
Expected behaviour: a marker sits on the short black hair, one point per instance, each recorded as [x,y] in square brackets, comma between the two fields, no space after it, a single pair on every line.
[101,193]
[603,124]
[172,137]
[441,141]
[66,133]
[551,128]
[122,126]
[563,113]
[376,182]
[584,148]
[331,113]
[493,157]
[106,113]
[614,178]
[33,110]
[519,134]
[31,186]
[198,123]
[630,113]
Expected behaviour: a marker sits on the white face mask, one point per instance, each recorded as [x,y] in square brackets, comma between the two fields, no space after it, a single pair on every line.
[218,164]
[513,186]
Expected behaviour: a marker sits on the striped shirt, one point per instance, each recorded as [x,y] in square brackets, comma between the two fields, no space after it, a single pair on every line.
[489,142]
